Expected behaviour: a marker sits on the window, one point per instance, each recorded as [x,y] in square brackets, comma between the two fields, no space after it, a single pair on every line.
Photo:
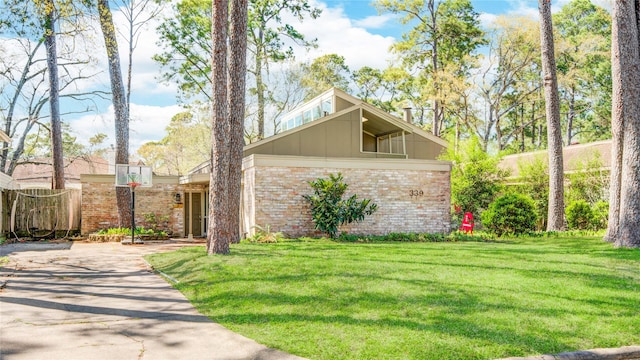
[317,112]
[307,116]
[327,107]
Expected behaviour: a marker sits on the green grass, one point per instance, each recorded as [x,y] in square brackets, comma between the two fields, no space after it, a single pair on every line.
[387,300]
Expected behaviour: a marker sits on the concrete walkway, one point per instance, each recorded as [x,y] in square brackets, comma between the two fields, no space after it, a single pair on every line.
[101,301]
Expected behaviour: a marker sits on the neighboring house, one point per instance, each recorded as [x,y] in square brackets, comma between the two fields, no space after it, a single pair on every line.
[573,157]
[38,173]
[381,157]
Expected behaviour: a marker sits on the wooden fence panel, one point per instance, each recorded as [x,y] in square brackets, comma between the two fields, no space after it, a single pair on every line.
[41,212]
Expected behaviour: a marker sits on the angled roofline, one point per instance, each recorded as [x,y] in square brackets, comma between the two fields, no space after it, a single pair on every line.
[302,127]
[411,128]
[358,103]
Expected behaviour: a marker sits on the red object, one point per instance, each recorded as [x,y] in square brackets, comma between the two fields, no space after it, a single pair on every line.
[467,223]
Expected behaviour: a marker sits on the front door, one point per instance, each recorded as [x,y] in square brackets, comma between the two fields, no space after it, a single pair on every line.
[193,213]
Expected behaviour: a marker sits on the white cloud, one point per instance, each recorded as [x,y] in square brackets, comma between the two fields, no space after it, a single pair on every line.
[487,20]
[148,123]
[337,34]
[375,22]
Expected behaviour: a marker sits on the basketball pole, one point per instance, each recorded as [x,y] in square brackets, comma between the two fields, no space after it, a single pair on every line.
[133,213]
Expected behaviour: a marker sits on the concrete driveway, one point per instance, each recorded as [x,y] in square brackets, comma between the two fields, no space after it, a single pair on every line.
[75,300]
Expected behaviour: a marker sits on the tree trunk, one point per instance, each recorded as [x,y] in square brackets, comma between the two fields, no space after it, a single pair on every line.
[219,234]
[624,205]
[571,115]
[236,100]
[57,180]
[260,91]
[552,106]
[123,196]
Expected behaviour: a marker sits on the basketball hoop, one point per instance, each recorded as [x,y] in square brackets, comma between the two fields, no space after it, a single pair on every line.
[133,176]
[133,184]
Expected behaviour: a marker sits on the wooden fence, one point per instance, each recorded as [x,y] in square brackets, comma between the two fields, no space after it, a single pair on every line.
[41,212]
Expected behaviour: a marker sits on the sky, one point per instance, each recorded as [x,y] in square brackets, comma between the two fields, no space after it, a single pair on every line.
[351,28]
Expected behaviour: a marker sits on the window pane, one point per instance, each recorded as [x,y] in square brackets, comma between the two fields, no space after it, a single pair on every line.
[317,112]
[307,116]
[326,106]
[298,120]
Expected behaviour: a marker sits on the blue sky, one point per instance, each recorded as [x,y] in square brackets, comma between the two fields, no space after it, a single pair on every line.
[351,28]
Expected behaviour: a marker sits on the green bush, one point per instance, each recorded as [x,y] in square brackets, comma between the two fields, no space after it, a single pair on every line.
[534,183]
[329,210]
[510,214]
[579,215]
[475,178]
[600,215]
[127,231]
[588,182]
[265,235]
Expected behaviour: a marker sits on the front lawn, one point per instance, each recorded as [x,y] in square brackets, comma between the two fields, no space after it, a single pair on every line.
[386,300]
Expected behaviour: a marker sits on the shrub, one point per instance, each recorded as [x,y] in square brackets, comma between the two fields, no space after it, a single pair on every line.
[600,215]
[329,210]
[534,178]
[265,235]
[589,181]
[475,178]
[510,214]
[579,215]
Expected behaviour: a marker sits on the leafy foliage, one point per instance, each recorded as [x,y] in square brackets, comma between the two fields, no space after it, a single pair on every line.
[265,235]
[589,182]
[600,215]
[510,214]
[579,215]
[534,183]
[140,230]
[323,73]
[187,143]
[475,176]
[329,210]
[415,237]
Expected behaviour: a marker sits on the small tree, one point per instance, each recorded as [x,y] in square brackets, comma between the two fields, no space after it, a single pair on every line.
[329,210]
[534,183]
[476,178]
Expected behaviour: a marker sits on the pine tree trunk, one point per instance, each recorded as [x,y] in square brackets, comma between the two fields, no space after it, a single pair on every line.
[123,196]
[571,116]
[219,234]
[624,206]
[554,135]
[57,180]
[260,89]
[236,100]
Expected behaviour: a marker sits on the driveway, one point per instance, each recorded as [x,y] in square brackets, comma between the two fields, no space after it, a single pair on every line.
[73,300]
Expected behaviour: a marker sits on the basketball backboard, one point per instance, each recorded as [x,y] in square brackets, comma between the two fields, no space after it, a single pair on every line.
[133,175]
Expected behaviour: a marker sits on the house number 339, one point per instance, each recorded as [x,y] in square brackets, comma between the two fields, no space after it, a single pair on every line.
[416,193]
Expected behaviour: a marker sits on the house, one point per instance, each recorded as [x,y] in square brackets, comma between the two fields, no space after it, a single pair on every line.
[38,172]
[381,157]
[573,158]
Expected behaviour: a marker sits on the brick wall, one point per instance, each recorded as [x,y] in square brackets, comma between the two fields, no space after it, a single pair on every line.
[408,200]
[99,204]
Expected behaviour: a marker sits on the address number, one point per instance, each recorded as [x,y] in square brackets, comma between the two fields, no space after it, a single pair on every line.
[416,193]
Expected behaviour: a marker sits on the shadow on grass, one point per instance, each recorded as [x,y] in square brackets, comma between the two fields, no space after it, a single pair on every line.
[527,296]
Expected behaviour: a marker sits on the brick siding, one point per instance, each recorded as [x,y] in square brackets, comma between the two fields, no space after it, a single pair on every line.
[273,196]
[99,206]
